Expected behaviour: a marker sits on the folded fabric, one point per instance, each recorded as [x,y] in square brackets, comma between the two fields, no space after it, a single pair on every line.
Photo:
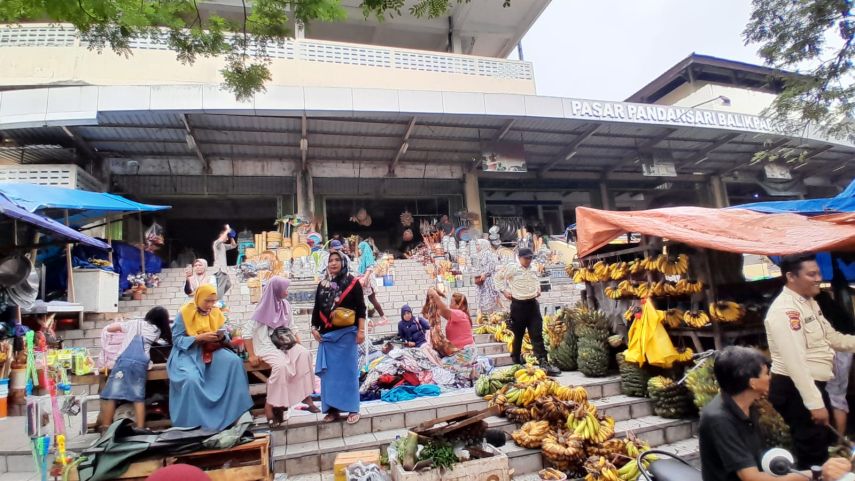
[406,393]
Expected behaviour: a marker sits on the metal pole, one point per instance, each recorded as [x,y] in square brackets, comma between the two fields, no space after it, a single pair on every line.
[142,246]
[71,296]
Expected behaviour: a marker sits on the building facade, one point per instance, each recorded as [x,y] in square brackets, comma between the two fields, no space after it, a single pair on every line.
[406,114]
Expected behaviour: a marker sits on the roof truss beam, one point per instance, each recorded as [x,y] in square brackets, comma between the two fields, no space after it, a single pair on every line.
[703,154]
[568,152]
[194,146]
[647,145]
[405,144]
[775,145]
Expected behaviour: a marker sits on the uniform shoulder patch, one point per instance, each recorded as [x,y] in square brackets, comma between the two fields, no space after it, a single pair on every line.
[795,318]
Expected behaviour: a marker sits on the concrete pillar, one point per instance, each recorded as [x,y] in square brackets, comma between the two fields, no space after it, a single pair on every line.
[302,201]
[472,198]
[299,31]
[605,197]
[310,192]
[719,192]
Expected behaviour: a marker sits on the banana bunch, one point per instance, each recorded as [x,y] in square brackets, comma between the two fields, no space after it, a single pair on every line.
[649,264]
[577,394]
[485,385]
[629,471]
[643,290]
[696,319]
[633,378]
[630,314]
[585,424]
[599,469]
[636,266]
[529,374]
[684,355]
[551,474]
[563,449]
[687,287]
[613,292]
[727,311]
[670,400]
[506,374]
[674,317]
[618,271]
[672,265]
[532,392]
[555,330]
[531,434]
[701,382]
[551,409]
[602,271]
[517,414]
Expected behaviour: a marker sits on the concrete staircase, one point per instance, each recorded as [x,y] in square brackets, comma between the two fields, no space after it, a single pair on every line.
[306,445]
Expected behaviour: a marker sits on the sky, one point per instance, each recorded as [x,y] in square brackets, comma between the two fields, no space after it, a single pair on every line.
[607,50]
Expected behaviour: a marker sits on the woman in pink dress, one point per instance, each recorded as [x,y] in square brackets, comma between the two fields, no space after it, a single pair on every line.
[458,330]
[291,380]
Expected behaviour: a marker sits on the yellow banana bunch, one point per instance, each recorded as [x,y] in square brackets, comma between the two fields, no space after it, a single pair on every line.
[613,292]
[530,374]
[650,264]
[605,430]
[631,313]
[696,318]
[618,271]
[601,270]
[636,267]
[584,423]
[599,469]
[685,355]
[694,287]
[551,474]
[562,448]
[643,290]
[672,265]
[577,394]
[727,311]
[531,434]
[674,317]
[658,289]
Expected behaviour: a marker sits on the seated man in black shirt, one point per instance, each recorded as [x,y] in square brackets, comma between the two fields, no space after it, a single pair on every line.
[730,441]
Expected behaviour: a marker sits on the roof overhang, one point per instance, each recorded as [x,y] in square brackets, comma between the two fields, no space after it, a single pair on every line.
[485,27]
[381,133]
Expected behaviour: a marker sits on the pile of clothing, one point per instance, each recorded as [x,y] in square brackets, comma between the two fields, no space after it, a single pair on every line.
[409,367]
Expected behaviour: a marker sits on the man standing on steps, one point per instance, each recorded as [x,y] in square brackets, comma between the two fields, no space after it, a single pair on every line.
[521,285]
[802,344]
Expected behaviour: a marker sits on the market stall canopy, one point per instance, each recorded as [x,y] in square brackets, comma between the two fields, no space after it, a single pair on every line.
[10,209]
[842,202]
[730,230]
[85,206]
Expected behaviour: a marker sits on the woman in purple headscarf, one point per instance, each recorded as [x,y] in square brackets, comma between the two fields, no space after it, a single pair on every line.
[291,379]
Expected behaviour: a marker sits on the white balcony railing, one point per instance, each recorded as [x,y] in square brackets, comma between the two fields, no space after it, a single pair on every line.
[44,35]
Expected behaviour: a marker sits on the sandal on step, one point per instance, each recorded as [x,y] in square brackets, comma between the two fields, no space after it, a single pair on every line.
[331,418]
[352,418]
[313,409]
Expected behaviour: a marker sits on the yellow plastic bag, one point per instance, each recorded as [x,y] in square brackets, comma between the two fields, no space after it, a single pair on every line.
[649,342]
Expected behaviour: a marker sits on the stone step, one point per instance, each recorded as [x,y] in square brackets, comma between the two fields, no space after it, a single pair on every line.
[314,456]
[380,416]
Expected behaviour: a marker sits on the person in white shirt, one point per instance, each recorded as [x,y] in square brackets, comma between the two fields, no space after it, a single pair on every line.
[225,242]
[521,285]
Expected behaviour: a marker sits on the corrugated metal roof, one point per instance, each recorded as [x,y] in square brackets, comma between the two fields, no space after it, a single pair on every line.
[179,148]
[244,122]
[96,133]
[152,118]
[40,135]
[37,154]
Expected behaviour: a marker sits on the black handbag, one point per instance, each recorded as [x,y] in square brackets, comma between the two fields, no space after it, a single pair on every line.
[283,338]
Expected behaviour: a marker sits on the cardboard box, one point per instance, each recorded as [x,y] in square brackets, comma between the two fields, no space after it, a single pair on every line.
[495,468]
[343,460]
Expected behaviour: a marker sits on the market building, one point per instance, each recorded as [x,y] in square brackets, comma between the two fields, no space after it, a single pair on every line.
[411,115]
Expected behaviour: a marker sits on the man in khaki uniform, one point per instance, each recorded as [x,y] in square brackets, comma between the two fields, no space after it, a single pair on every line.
[802,344]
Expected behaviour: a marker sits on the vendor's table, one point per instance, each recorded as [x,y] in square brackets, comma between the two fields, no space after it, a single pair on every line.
[56,307]
[247,462]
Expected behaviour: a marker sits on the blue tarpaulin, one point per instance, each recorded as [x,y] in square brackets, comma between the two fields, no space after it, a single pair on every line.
[10,209]
[85,207]
[843,202]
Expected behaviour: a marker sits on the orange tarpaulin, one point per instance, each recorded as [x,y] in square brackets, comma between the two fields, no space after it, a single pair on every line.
[729,230]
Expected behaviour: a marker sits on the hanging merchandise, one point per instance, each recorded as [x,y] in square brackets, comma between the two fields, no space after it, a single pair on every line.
[362,218]
[406,219]
[154,237]
[649,342]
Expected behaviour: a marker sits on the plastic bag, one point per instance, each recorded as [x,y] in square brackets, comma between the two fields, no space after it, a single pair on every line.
[649,342]
[365,472]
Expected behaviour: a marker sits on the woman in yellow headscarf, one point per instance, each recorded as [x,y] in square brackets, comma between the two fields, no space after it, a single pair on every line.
[207,384]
